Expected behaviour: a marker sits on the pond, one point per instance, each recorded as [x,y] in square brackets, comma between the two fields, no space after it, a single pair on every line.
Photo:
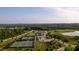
[75,33]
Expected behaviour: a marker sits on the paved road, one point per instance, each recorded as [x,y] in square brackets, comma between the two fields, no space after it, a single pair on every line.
[43,38]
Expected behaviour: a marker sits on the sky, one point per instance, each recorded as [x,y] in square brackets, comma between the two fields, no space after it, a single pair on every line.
[27,15]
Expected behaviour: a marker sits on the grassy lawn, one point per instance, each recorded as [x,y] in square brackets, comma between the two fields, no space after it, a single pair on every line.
[5,43]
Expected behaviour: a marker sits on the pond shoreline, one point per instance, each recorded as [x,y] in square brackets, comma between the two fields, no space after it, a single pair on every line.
[75,33]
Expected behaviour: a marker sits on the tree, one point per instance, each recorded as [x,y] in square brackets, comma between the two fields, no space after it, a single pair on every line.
[77,48]
[69,48]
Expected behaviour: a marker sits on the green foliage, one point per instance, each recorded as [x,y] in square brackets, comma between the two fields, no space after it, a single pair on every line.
[69,48]
[6,43]
[7,33]
[57,35]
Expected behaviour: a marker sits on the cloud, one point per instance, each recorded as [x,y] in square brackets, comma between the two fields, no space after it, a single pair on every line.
[66,15]
[57,15]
